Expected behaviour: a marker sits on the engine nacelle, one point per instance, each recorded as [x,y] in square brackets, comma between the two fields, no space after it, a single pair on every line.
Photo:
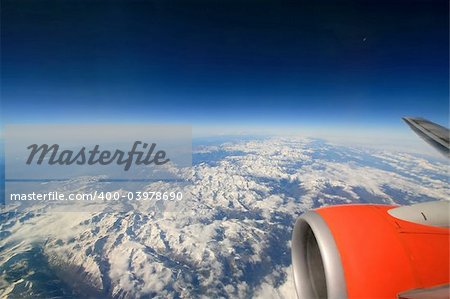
[370,251]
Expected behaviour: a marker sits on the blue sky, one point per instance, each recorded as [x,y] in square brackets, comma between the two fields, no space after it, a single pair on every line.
[225,64]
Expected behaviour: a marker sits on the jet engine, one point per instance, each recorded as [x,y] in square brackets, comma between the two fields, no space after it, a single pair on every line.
[373,251]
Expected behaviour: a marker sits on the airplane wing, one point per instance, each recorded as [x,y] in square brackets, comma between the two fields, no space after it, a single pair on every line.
[436,135]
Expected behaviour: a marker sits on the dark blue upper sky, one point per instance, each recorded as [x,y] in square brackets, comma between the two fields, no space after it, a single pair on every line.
[219,62]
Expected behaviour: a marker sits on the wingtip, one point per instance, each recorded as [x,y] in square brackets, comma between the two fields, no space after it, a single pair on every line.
[410,119]
[436,135]
[407,119]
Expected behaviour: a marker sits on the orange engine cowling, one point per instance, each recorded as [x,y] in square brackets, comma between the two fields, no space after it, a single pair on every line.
[362,251]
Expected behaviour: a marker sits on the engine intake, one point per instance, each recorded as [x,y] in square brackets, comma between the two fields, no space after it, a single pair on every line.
[316,262]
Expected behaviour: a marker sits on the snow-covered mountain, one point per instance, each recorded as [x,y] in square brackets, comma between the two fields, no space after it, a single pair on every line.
[229,238]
